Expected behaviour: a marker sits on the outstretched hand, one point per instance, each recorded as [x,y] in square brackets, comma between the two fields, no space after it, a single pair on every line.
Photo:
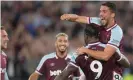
[69,17]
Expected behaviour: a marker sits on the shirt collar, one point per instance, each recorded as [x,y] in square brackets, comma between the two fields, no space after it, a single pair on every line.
[108,29]
[95,43]
[3,53]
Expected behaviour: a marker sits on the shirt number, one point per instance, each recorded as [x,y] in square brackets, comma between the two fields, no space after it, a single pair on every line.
[97,70]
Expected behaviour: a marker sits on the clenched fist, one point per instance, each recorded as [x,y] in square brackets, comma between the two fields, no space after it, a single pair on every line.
[71,17]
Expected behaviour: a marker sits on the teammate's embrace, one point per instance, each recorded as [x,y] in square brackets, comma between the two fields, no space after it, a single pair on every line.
[100,69]
[94,68]
[110,32]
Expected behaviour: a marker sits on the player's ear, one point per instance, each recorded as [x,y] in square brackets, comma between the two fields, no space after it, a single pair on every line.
[113,15]
[55,44]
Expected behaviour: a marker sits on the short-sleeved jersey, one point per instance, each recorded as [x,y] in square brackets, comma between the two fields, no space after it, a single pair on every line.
[98,69]
[3,62]
[112,36]
[50,65]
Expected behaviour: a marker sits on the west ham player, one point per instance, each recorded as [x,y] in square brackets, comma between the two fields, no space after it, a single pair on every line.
[110,32]
[93,68]
[52,64]
[99,69]
[3,56]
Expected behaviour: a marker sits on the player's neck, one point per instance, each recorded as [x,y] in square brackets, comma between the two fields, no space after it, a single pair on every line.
[111,23]
[93,40]
[61,54]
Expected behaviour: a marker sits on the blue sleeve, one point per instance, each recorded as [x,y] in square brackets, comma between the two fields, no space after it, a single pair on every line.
[95,20]
[116,37]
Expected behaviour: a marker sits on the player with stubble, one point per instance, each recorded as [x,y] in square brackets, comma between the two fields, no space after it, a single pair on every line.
[110,32]
[3,56]
[52,64]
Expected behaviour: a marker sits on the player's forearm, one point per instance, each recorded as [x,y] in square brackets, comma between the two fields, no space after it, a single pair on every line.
[124,61]
[74,18]
[33,76]
[101,55]
[82,19]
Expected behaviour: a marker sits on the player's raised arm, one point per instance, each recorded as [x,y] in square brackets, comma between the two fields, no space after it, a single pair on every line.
[75,18]
[81,19]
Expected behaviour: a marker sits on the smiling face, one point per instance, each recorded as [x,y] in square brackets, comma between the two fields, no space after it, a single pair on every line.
[106,15]
[62,44]
[4,39]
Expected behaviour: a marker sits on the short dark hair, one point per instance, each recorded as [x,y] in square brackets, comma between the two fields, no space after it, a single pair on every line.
[111,5]
[91,30]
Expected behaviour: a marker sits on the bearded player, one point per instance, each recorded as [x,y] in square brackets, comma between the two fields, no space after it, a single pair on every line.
[110,32]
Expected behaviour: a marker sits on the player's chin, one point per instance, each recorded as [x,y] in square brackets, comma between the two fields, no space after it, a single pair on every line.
[104,23]
[62,50]
[4,47]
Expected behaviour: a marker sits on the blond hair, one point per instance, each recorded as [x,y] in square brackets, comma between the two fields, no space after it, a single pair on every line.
[61,34]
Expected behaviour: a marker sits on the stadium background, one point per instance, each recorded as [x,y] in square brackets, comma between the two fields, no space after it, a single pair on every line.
[32,26]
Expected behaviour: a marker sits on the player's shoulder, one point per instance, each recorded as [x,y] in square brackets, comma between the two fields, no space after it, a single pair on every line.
[4,54]
[93,44]
[117,29]
[71,57]
[49,56]
[102,45]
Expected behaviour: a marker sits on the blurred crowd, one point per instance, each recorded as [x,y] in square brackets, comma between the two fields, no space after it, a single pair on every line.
[32,26]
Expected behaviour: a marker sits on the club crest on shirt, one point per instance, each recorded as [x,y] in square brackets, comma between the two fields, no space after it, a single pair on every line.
[52,64]
[86,57]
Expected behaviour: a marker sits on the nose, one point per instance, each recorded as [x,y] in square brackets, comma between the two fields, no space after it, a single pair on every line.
[101,14]
[7,39]
[63,43]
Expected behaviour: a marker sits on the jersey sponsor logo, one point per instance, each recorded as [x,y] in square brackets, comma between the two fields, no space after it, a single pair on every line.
[2,70]
[55,73]
[52,64]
